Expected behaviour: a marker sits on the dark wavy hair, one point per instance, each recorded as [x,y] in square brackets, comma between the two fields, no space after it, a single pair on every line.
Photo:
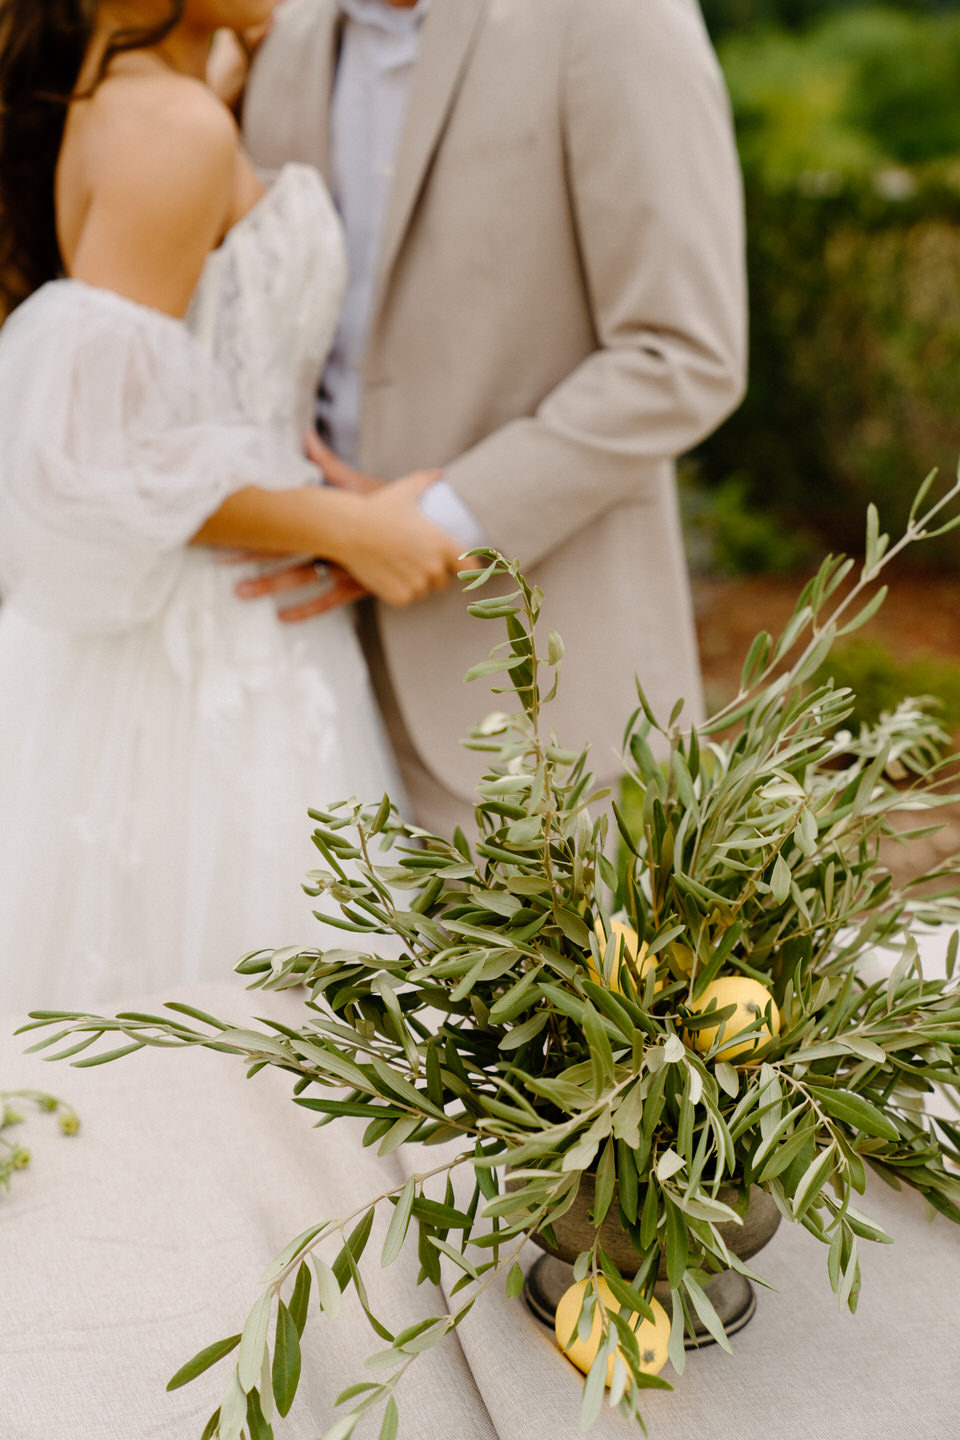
[43,44]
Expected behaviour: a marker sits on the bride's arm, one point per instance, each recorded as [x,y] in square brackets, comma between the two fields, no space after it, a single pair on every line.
[382,540]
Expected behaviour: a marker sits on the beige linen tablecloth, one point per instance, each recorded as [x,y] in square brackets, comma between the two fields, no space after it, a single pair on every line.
[127,1248]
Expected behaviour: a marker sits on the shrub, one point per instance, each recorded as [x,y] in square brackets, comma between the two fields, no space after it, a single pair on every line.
[854,260]
[853,395]
[880,681]
[730,16]
[727,533]
[862,89]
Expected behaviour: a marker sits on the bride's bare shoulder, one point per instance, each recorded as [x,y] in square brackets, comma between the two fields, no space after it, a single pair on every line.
[167,125]
[158,158]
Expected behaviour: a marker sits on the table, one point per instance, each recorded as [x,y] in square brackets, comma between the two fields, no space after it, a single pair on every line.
[128,1248]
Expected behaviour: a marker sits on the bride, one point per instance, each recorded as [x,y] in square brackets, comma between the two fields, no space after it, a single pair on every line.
[159,739]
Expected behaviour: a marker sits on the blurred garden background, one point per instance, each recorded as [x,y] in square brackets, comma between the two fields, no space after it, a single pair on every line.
[848,116]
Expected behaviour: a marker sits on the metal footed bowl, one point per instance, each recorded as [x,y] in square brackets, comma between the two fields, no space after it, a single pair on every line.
[730,1293]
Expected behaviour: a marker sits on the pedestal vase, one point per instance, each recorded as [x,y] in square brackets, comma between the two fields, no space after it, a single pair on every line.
[730,1293]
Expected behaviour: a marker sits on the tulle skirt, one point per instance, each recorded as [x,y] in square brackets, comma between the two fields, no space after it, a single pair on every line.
[154,788]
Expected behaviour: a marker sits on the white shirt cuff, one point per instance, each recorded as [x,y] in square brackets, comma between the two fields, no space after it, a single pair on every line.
[443,507]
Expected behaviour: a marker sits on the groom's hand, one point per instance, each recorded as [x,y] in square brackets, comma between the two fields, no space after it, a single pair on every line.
[333,585]
[341,589]
[336,471]
[229,61]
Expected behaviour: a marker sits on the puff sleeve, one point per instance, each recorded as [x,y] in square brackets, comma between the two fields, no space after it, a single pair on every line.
[119,437]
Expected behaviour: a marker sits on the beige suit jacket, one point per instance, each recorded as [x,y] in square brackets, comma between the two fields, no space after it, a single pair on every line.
[561,313]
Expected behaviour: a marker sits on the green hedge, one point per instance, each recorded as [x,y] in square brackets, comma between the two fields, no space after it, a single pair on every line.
[855,271]
[855,372]
[730,16]
[860,90]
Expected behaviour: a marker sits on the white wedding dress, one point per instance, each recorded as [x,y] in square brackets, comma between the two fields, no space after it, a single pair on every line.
[161,740]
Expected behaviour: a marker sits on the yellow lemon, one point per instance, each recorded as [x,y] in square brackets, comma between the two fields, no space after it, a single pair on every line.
[682,957]
[653,1336]
[751,999]
[629,943]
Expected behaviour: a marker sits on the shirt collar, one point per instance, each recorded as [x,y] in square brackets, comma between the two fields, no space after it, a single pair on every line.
[381,16]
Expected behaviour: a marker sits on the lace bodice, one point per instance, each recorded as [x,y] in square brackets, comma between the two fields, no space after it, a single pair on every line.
[268,301]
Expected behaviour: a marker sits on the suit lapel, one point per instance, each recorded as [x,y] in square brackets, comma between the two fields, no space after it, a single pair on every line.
[314,99]
[448,35]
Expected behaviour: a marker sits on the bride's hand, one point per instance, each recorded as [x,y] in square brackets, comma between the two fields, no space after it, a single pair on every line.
[386,547]
[389,547]
[229,61]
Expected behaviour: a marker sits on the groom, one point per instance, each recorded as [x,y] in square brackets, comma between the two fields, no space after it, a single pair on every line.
[542,208]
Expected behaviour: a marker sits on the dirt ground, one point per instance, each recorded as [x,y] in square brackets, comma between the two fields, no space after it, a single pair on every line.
[921,615]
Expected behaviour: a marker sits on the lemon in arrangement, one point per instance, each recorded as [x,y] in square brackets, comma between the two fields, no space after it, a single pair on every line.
[682,957]
[653,1336]
[628,944]
[756,1011]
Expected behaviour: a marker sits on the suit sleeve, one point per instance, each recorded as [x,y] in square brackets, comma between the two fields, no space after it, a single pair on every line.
[657,202]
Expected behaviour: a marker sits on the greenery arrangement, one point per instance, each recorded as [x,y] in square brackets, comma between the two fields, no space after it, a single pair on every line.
[13,1155]
[690,1021]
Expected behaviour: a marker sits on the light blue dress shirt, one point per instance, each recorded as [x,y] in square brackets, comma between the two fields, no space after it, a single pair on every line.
[379,49]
